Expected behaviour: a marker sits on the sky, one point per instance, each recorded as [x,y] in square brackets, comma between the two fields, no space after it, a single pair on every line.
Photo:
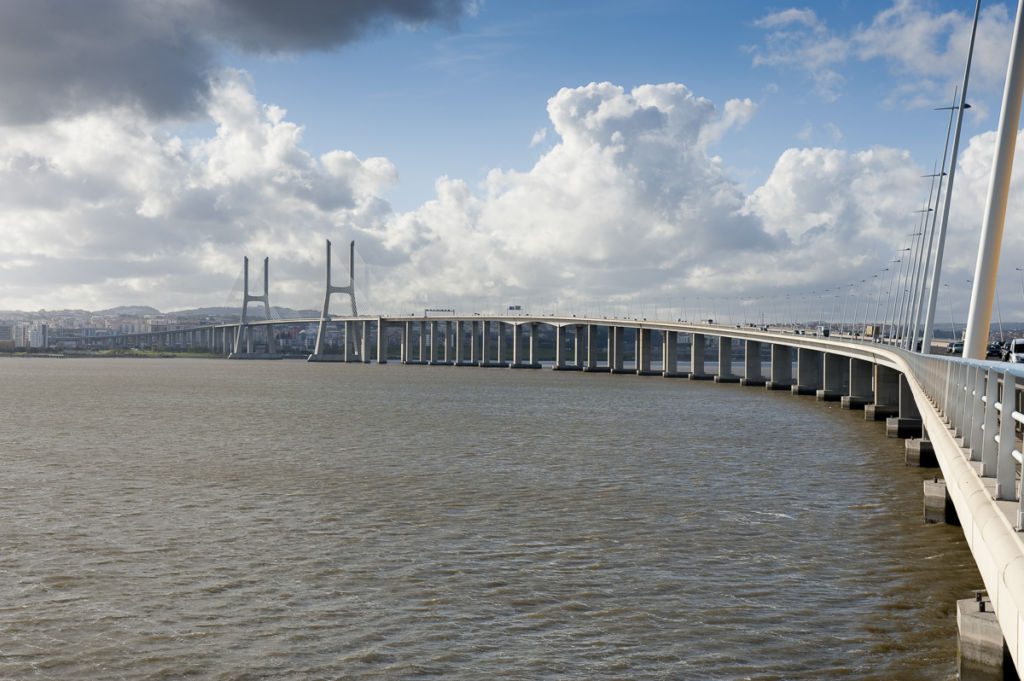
[657,158]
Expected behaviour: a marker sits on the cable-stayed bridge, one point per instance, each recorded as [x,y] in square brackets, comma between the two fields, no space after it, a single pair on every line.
[968,413]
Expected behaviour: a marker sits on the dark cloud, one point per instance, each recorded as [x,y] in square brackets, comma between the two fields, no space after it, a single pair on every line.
[300,25]
[61,58]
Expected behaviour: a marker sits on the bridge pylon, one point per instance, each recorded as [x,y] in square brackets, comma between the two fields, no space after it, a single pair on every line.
[318,350]
[243,341]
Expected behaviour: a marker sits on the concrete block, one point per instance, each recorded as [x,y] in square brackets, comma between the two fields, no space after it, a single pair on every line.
[752,382]
[981,652]
[938,507]
[854,402]
[898,427]
[778,385]
[727,379]
[880,412]
[919,452]
[827,395]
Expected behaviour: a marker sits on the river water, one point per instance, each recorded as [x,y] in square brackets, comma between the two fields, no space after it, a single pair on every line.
[207,519]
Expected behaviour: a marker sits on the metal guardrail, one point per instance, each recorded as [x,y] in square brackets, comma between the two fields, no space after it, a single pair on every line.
[970,395]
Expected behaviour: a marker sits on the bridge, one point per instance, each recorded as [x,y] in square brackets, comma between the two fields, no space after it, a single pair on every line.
[967,414]
[962,415]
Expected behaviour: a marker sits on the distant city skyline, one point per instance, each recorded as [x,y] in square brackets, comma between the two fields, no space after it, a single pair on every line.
[643,155]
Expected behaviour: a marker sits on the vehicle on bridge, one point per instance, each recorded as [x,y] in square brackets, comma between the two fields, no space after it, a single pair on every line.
[1016,351]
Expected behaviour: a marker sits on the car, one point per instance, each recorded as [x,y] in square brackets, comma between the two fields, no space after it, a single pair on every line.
[955,348]
[994,350]
[1005,355]
[1016,352]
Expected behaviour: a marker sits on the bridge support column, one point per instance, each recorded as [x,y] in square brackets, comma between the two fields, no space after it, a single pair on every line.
[837,375]
[382,342]
[643,352]
[592,349]
[982,654]
[860,385]
[403,355]
[432,343]
[346,346]
[485,343]
[579,346]
[448,349]
[782,368]
[887,395]
[752,364]
[517,346]
[615,344]
[421,356]
[725,374]
[670,354]
[502,330]
[907,422]
[809,372]
[364,337]
[697,358]
[534,359]
[457,342]
[560,348]
[474,343]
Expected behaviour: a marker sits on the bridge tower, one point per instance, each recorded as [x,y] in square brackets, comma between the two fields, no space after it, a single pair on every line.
[350,289]
[243,339]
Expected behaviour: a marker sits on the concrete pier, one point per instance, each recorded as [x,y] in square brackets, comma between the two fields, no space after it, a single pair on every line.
[617,348]
[593,350]
[918,452]
[861,391]
[670,354]
[809,372]
[938,507]
[725,374]
[887,395]
[782,368]
[982,654]
[644,352]
[907,422]
[836,379]
[752,364]
[697,358]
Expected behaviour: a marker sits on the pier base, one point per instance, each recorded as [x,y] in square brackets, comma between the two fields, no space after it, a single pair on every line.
[899,427]
[880,412]
[326,358]
[753,382]
[827,396]
[803,390]
[854,402]
[938,507]
[699,377]
[727,379]
[919,452]
[981,651]
[778,385]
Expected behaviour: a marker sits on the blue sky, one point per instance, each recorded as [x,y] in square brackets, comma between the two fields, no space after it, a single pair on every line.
[574,156]
[459,102]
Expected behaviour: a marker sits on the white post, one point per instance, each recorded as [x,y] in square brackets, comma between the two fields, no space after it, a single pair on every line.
[929,320]
[979,316]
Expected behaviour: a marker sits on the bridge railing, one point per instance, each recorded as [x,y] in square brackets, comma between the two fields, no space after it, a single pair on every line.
[981,401]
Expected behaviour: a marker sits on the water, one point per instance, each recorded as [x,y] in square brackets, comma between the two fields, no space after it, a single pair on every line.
[168,519]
